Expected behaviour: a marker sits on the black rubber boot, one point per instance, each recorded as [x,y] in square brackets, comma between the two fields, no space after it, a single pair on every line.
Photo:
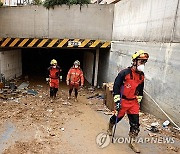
[110,128]
[133,143]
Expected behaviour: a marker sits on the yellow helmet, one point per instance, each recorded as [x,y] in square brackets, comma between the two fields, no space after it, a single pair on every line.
[53,62]
[141,54]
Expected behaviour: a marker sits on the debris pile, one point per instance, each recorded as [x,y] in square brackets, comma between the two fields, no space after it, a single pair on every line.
[157,126]
[10,90]
[96,101]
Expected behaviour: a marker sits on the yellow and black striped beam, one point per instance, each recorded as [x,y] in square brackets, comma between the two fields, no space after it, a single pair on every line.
[52,43]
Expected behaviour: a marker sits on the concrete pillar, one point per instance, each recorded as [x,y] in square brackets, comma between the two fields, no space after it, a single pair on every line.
[96,67]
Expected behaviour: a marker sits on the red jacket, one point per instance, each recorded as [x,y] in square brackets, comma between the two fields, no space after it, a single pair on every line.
[132,83]
[54,73]
[75,76]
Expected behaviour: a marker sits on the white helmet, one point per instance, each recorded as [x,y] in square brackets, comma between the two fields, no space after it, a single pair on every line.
[77,63]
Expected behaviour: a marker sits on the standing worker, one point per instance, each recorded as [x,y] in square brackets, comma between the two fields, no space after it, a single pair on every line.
[128,92]
[53,78]
[74,79]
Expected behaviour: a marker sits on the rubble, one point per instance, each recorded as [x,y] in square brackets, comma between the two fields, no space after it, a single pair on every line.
[67,103]
[89,103]
[96,96]
[62,128]
[23,85]
[91,89]
[28,110]
[32,92]
[175,149]
[109,113]
[153,129]
[40,86]
[152,134]
[100,109]
[92,96]
[166,123]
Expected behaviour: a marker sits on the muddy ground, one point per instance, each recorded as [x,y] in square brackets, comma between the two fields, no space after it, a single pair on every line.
[31,124]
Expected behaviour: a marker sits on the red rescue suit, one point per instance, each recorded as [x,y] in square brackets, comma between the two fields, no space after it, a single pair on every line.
[129,84]
[54,74]
[75,77]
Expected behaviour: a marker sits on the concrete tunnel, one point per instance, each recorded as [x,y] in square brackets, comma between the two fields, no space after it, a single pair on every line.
[32,56]
[35,61]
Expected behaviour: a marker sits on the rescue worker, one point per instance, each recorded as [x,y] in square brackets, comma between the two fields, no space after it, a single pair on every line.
[74,79]
[53,78]
[128,92]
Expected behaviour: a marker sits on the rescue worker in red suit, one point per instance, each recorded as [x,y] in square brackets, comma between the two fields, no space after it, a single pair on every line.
[53,79]
[75,78]
[128,93]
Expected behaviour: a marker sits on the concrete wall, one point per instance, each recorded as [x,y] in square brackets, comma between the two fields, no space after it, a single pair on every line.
[176,37]
[92,22]
[162,73]
[103,66]
[11,64]
[144,20]
[150,25]
[88,64]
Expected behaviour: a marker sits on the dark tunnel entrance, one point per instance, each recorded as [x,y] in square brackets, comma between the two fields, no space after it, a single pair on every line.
[36,61]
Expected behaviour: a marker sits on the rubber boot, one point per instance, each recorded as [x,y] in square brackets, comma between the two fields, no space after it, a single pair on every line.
[70,91]
[51,94]
[69,97]
[55,93]
[75,99]
[110,128]
[133,143]
[51,99]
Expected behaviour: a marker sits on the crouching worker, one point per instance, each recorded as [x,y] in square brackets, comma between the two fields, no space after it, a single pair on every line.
[74,79]
[53,78]
[128,93]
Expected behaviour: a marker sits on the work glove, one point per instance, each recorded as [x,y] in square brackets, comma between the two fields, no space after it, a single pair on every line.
[117,102]
[47,79]
[118,106]
[67,82]
[60,77]
[139,98]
